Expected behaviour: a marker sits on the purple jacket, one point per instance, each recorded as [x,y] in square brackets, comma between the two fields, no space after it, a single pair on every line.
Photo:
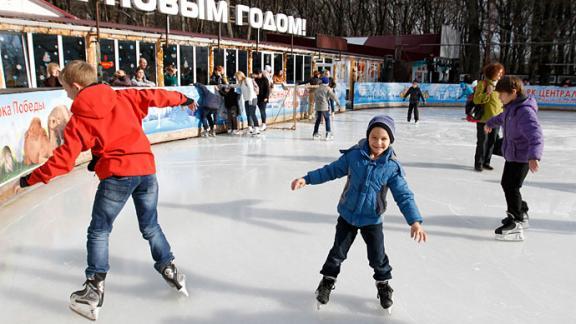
[523,139]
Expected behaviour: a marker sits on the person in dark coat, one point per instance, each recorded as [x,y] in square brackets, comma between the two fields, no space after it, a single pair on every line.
[263,96]
[415,95]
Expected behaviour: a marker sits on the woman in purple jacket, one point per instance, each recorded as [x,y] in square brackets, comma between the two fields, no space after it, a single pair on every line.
[522,147]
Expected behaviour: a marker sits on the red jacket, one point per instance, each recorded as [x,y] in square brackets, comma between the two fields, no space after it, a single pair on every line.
[109,122]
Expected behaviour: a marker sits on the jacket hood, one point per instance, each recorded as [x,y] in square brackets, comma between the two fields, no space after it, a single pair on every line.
[523,101]
[95,101]
[385,122]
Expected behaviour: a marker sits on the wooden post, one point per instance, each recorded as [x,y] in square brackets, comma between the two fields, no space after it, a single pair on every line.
[91,52]
[211,65]
[159,63]
[294,106]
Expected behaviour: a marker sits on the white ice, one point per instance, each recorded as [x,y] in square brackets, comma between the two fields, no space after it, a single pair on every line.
[252,249]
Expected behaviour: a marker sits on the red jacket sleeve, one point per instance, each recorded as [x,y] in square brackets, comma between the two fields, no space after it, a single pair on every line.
[64,156]
[158,98]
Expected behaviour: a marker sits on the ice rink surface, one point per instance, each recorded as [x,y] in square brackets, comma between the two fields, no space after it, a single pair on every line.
[252,249]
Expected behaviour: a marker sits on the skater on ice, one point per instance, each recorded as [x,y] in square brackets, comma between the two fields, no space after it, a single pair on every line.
[322,97]
[372,169]
[416,95]
[522,148]
[109,123]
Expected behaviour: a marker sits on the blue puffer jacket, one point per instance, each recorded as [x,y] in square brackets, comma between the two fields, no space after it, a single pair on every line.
[364,198]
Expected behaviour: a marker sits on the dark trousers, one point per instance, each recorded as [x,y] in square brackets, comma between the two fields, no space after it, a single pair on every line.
[233,118]
[413,106]
[319,115]
[262,108]
[251,114]
[484,145]
[345,235]
[208,118]
[512,180]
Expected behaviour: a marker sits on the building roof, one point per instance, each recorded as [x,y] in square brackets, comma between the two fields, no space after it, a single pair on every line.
[34,7]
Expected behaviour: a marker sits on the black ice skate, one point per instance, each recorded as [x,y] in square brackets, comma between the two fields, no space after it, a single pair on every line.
[525,218]
[88,301]
[324,289]
[511,230]
[175,279]
[385,295]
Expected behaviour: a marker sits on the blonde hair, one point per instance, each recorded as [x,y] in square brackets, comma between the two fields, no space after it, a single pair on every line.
[79,72]
[50,67]
[240,76]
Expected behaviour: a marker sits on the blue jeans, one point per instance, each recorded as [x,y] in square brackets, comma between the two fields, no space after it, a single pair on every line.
[319,115]
[345,235]
[112,194]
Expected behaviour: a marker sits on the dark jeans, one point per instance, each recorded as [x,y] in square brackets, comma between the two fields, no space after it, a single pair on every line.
[484,145]
[111,196]
[233,118]
[512,180]
[208,118]
[262,107]
[345,235]
[251,114]
[332,105]
[413,106]
[319,115]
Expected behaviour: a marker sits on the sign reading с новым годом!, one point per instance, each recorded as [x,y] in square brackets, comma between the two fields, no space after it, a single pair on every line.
[218,12]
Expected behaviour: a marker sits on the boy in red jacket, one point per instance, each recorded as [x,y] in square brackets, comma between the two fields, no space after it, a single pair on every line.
[109,123]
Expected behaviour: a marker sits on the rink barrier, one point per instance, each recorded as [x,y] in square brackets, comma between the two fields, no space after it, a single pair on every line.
[372,95]
[31,125]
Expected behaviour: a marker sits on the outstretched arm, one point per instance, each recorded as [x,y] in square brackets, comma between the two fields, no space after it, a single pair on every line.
[159,98]
[334,170]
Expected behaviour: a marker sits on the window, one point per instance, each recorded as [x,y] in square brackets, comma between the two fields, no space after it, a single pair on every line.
[299,68]
[45,52]
[170,56]
[243,61]
[127,57]
[219,57]
[13,62]
[278,63]
[307,67]
[256,61]
[186,65]
[148,51]
[230,63]
[290,69]
[202,65]
[107,58]
[74,49]
[267,61]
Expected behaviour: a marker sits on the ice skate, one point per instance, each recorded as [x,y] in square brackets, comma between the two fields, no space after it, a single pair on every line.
[525,218]
[316,136]
[264,127]
[385,295]
[204,133]
[88,301]
[511,230]
[212,133]
[324,289]
[329,136]
[175,279]
[256,131]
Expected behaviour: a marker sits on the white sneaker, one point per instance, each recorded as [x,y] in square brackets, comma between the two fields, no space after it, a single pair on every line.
[256,131]
[316,136]
[250,130]
[263,127]
[329,136]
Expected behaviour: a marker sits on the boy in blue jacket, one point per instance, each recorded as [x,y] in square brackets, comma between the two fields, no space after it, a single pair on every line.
[372,168]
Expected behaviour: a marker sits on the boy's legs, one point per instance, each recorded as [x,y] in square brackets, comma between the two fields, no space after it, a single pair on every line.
[374,238]
[111,196]
[327,121]
[317,123]
[145,198]
[512,180]
[345,235]
[416,114]
[410,108]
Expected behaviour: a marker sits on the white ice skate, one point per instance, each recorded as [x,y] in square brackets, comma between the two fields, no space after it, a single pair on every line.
[88,301]
[329,136]
[175,279]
